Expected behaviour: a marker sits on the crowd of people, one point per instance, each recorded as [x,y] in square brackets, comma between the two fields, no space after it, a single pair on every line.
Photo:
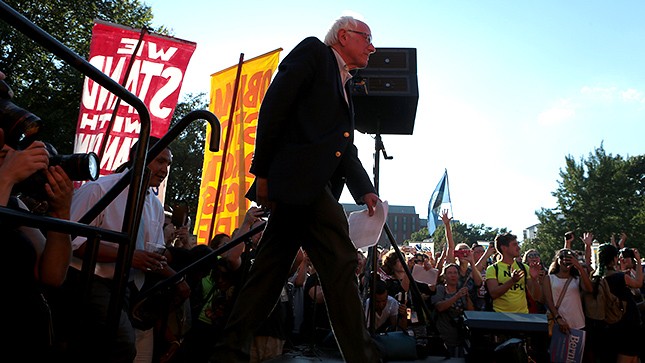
[512,283]
[300,282]
[499,279]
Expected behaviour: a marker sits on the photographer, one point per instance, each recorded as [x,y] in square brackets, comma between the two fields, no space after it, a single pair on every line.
[35,259]
[450,301]
[468,275]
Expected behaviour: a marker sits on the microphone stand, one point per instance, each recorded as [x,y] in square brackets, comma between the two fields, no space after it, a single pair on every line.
[371,274]
[422,308]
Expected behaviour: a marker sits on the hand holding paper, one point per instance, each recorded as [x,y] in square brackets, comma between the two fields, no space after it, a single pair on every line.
[364,230]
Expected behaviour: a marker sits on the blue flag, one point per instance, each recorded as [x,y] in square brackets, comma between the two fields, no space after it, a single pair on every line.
[440,196]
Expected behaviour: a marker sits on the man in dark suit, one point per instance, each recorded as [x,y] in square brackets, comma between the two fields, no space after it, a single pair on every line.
[304,155]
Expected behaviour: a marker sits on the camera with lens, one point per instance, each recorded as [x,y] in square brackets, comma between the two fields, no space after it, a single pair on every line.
[21,128]
[19,125]
[567,254]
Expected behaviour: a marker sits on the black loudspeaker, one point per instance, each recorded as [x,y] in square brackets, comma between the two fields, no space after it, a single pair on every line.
[385,93]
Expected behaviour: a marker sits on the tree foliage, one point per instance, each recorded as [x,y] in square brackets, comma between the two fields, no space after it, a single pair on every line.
[44,84]
[602,194]
[51,89]
[461,233]
[188,156]
[418,236]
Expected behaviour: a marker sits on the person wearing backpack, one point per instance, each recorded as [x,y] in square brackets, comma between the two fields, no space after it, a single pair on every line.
[622,339]
[628,264]
[507,280]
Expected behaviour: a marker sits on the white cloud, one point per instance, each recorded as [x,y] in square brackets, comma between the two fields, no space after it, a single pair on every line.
[560,112]
[633,95]
[599,93]
[609,94]
[565,109]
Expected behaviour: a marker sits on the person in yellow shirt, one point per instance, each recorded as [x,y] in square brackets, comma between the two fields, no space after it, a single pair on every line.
[507,280]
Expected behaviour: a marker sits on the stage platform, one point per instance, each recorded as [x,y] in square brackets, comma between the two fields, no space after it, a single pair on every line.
[303,359]
[307,355]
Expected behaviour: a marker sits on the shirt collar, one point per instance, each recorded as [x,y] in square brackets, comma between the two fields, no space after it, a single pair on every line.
[342,67]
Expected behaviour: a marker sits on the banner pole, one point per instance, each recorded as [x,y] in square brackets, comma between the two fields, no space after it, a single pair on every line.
[144,31]
[242,187]
[229,131]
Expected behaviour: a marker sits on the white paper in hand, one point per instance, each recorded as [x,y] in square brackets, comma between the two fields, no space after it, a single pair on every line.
[419,273]
[365,230]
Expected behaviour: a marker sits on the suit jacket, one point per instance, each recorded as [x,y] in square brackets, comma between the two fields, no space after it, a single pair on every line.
[305,134]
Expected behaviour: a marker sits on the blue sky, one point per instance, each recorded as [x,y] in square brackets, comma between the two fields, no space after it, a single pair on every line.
[507,88]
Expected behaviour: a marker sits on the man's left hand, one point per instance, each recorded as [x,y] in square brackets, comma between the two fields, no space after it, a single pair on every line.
[370,200]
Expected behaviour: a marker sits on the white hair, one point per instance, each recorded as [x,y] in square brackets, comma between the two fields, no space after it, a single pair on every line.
[341,23]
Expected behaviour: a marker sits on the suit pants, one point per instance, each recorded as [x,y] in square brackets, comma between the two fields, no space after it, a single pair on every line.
[321,228]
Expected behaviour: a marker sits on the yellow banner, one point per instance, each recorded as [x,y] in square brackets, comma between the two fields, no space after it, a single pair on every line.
[255,78]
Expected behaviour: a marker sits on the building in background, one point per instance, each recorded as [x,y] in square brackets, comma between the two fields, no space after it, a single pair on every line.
[403,220]
[530,232]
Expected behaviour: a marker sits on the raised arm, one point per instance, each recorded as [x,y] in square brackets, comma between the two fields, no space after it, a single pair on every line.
[442,258]
[622,240]
[451,243]
[489,252]
[475,274]
[252,215]
[585,280]
[636,281]
[587,239]
[568,240]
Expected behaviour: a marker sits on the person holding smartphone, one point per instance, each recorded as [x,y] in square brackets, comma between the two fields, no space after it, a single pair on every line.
[569,313]
[180,222]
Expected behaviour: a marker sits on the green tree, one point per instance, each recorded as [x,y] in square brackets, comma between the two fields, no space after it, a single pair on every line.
[461,233]
[188,156]
[474,233]
[42,83]
[602,194]
[418,236]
